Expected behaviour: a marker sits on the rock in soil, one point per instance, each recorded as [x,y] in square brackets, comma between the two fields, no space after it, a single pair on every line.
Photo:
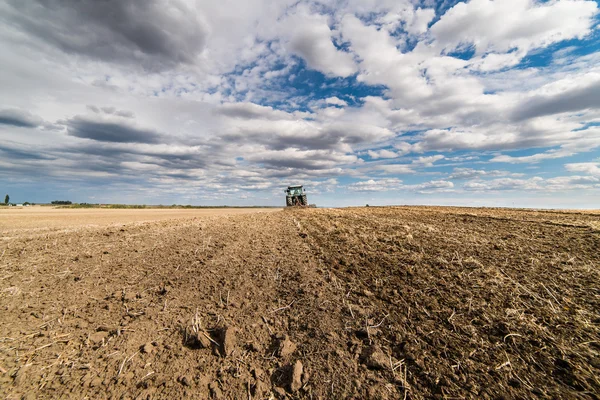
[374,357]
[296,382]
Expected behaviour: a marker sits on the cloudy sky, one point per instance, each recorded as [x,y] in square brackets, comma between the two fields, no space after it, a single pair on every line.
[363,101]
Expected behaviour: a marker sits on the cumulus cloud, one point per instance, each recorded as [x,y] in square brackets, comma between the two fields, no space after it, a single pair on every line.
[154,33]
[104,131]
[381,63]
[534,183]
[494,61]
[15,152]
[250,95]
[251,111]
[379,185]
[428,161]
[310,37]
[534,158]
[382,154]
[19,118]
[336,101]
[580,141]
[566,96]
[432,186]
[466,173]
[508,24]
[575,182]
[420,20]
[384,185]
[538,184]
[592,168]
[471,173]
[111,111]
[300,159]
[306,134]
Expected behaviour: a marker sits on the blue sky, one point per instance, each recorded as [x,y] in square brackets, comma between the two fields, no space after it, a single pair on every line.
[486,103]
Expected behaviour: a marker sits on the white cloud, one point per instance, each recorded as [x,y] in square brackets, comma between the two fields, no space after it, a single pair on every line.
[462,158]
[421,19]
[556,184]
[574,142]
[504,25]
[382,154]
[494,61]
[428,161]
[591,168]
[394,169]
[432,186]
[562,183]
[311,38]
[469,173]
[336,101]
[382,63]
[232,106]
[534,183]
[384,185]
[379,185]
[571,94]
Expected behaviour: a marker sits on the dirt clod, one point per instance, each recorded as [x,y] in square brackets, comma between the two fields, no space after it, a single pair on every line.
[98,337]
[215,390]
[147,348]
[97,381]
[185,381]
[128,296]
[375,358]
[255,347]
[285,346]
[296,381]
[260,389]
[228,341]
[104,328]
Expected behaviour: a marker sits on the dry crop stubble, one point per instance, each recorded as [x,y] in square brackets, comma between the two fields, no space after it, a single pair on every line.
[371,302]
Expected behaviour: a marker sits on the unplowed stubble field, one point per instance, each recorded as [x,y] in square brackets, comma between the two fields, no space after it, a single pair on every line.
[395,302]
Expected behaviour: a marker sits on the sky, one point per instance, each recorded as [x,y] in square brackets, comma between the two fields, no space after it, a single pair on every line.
[476,103]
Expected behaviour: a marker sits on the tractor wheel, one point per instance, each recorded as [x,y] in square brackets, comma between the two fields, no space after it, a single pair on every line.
[304,200]
[288,201]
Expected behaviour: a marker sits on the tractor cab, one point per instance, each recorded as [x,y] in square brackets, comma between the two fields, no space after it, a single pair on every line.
[295,196]
[296,190]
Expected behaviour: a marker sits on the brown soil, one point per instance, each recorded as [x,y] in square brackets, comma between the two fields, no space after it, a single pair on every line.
[308,303]
[29,221]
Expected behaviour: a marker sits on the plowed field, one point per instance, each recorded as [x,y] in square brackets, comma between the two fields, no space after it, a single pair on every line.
[394,302]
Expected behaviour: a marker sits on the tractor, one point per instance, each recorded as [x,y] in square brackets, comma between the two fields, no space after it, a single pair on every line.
[295,196]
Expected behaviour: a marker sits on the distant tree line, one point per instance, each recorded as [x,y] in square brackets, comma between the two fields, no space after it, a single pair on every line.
[8,203]
[62,202]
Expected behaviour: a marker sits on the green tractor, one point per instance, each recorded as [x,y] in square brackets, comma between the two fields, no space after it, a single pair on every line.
[295,196]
